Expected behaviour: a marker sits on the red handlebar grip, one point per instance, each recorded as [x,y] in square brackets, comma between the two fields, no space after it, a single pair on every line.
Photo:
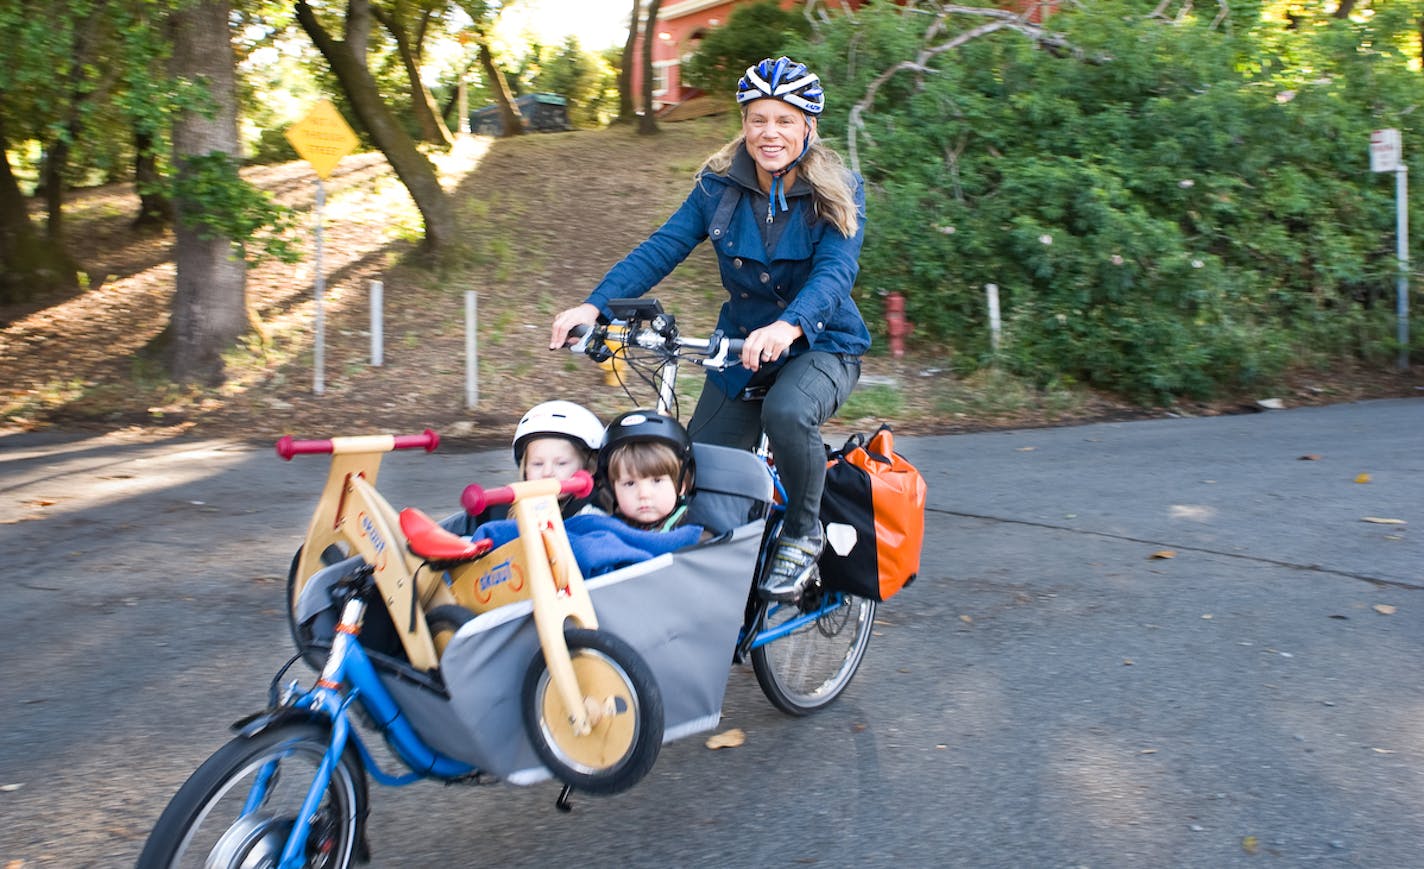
[476,498]
[426,440]
[580,485]
[287,447]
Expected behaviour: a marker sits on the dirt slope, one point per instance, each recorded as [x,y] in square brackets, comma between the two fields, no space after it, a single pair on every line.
[543,217]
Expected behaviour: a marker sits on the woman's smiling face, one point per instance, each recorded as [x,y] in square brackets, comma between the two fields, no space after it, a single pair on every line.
[775,133]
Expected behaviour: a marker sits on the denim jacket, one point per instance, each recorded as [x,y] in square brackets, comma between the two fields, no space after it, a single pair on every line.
[805,281]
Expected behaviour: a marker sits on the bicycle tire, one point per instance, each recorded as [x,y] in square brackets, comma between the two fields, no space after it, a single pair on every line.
[622,748]
[256,837]
[315,658]
[444,622]
[807,669]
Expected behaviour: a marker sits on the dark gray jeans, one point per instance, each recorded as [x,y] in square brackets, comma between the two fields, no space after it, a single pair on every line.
[803,394]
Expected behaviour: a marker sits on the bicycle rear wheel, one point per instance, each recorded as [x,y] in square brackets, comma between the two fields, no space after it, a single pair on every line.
[810,666]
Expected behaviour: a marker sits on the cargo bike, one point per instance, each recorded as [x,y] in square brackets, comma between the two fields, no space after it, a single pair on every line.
[479,664]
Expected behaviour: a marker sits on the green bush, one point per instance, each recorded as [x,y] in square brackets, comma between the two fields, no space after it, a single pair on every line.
[1168,208]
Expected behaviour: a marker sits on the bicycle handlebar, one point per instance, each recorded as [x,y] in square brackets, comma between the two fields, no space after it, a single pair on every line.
[426,440]
[720,352]
[476,498]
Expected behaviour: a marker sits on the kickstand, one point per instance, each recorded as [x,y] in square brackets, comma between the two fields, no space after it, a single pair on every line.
[563,803]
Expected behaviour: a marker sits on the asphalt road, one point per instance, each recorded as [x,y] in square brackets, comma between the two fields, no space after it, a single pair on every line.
[1050,693]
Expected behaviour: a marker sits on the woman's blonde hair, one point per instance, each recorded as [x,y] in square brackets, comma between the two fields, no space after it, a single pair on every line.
[832,185]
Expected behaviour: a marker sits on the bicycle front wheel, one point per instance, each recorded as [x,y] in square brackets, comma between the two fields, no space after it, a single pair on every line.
[813,663]
[238,809]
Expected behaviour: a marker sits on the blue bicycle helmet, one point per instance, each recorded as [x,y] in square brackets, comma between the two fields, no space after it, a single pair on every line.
[782,79]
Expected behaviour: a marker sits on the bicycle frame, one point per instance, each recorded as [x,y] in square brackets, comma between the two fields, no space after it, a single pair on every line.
[349,665]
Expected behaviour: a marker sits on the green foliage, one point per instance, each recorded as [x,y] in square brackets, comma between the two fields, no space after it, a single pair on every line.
[751,32]
[1168,209]
[583,77]
[215,201]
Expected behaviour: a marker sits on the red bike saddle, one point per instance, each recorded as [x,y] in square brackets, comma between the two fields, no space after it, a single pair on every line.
[428,540]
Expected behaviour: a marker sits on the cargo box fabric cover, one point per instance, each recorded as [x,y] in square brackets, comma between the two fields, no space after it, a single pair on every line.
[681,612]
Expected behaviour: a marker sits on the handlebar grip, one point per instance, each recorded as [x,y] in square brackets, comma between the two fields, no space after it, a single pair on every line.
[426,440]
[287,447]
[578,331]
[580,485]
[476,498]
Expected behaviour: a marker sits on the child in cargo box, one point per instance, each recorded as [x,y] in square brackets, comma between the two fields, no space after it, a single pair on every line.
[646,470]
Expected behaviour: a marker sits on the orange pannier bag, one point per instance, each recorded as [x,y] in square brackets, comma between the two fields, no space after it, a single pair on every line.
[873,516]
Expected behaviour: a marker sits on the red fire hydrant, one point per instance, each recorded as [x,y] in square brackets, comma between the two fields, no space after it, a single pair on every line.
[896,325]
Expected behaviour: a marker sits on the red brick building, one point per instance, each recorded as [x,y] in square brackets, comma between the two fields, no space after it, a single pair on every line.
[681,25]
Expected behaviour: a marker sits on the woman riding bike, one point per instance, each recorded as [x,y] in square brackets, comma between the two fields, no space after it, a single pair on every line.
[786,219]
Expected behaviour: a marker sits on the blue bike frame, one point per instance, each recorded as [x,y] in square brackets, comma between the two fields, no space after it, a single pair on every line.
[348,664]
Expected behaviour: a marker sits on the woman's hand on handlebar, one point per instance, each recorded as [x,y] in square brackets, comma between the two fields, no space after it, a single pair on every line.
[768,344]
[581,315]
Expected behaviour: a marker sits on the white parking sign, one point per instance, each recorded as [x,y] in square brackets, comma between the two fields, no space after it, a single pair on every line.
[1386,150]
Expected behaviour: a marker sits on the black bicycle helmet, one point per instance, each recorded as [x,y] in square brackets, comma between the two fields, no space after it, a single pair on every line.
[646,426]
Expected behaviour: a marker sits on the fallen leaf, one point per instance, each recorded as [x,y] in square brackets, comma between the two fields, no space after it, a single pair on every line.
[1385,609]
[1362,478]
[1250,845]
[42,502]
[1381,521]
[1310,457]
[1164,553]
[727,739]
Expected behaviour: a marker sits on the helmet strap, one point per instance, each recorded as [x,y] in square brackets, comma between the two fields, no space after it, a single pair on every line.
[777,195]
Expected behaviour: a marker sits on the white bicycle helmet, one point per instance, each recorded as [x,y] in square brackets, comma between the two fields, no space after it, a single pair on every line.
[563,419]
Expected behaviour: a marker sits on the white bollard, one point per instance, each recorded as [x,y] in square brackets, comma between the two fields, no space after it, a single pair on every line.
[378,291]
[472,383]
[992,292]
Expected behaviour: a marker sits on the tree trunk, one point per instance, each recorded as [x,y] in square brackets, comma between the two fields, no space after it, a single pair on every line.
[54,167]
[155,209]
[32,264]
[648,123]
[432,126]
[626,111]
[209,304]
[511,122]
[347,62]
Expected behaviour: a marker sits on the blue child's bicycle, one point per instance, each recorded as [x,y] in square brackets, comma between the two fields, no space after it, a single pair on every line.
[478,665]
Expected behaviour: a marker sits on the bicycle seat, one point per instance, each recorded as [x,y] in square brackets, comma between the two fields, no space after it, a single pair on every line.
[427,539]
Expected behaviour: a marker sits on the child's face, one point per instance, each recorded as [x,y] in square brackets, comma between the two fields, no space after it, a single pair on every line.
[551,459]
[645,500]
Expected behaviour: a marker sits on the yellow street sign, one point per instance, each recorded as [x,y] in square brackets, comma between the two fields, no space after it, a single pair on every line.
[322,138]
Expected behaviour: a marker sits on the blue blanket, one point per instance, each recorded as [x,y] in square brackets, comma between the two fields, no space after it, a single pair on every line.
[602,543]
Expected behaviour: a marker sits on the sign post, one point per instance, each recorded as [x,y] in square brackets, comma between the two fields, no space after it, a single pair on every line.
[321,138]
[1387,155]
